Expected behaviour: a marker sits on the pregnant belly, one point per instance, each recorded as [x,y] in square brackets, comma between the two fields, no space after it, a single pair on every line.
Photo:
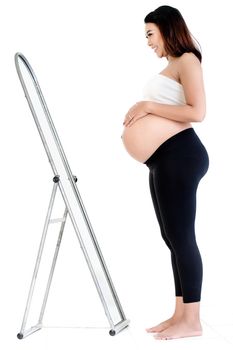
[143,138]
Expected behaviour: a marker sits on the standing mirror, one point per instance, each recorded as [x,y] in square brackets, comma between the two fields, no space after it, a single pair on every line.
[74,207]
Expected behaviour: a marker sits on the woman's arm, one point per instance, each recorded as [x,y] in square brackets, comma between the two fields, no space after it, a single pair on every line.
[191,78]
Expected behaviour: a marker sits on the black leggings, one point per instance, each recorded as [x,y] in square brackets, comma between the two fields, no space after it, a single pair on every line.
[176,168]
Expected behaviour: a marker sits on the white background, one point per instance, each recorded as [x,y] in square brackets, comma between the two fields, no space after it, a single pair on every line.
[91,59]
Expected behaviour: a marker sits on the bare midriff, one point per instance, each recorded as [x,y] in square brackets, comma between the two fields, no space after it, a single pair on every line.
[143,138]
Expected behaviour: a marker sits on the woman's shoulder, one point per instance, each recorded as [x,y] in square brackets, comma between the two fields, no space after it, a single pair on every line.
[187,62]
[188,58]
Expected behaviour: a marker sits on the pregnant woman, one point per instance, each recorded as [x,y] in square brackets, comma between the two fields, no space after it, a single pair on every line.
[158,133]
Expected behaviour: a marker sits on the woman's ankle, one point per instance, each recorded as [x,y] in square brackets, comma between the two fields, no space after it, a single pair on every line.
[191,313]
[179,308]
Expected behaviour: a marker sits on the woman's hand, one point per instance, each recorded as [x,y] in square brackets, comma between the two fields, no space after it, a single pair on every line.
[137,111]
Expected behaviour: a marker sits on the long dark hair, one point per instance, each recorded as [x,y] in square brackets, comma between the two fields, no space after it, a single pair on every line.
[175,33]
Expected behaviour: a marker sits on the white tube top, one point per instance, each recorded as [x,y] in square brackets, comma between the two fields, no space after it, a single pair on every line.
[163,89]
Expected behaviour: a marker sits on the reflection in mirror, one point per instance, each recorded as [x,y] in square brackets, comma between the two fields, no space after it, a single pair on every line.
[73,204]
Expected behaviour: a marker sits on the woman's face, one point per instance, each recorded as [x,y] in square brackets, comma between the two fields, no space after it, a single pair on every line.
[155,40]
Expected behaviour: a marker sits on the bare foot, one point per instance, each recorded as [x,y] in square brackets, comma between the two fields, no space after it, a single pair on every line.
[176,317]
[181,329]
[163,325]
